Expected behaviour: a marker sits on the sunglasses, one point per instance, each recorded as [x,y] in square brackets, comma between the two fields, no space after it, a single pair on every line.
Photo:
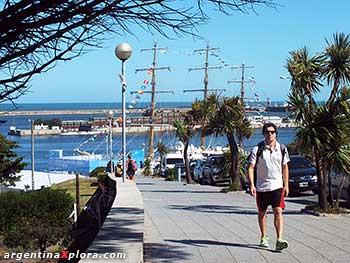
[270,132]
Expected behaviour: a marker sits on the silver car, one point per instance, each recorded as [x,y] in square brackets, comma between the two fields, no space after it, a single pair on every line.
[198,171]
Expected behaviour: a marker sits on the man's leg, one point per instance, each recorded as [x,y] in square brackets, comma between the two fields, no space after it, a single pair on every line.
[277,206]
[278,221]
[262,217]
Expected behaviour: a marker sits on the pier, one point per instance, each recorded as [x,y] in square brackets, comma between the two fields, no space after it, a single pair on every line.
[118,130]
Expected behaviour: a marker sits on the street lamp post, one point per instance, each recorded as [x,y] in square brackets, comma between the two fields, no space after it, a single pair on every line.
[32,150]
[110,117]
[123,51]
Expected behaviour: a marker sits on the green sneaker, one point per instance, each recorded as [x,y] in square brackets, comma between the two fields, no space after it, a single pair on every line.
[264,241]
[281,244]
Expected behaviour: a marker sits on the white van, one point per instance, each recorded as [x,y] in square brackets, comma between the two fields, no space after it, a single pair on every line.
[169,160]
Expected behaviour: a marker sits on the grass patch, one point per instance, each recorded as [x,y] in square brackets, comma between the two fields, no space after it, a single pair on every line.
[85,189]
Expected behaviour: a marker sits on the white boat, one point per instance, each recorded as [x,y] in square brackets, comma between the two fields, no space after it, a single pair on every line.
[12,130]
[258,119]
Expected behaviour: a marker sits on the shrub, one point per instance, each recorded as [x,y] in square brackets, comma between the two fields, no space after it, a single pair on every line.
[171,175]
[147,171]
[35,219]
[102,177]
[96,171]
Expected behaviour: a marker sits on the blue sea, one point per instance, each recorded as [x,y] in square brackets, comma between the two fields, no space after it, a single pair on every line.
[98,144]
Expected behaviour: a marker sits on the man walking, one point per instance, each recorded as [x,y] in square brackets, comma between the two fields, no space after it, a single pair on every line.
[268,179]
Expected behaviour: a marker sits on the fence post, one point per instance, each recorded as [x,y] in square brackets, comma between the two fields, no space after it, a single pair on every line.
[179,174]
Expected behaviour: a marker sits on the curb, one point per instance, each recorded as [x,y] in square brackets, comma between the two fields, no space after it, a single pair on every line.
[314,213]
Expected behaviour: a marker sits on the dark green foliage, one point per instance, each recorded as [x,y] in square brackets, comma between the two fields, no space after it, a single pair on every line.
[102,177]
[147,168]
[96,171]
[184,131]
[229,119]
[35,219]
[171,175]
[9,164]
[240,181]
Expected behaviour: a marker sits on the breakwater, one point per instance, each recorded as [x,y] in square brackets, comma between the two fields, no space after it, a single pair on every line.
[83,112]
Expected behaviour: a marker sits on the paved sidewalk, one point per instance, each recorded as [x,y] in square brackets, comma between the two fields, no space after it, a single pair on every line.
[194,223]
[122,232]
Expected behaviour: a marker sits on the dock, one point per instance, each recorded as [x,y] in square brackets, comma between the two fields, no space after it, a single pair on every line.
[118,130]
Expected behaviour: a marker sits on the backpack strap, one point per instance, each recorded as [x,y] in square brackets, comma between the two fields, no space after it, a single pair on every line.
[283,151]
[261,148]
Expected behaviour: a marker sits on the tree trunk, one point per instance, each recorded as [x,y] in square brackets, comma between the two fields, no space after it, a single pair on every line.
[322,198]
[330,194]
[187,164]
[234,168]
[333,94]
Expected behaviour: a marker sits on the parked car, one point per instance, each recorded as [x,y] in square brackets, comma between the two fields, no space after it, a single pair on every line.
[213,170]
[156,169]
[302,175]
[192,165]
[197,171]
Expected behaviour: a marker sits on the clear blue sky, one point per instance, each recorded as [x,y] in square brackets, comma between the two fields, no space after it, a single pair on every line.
[263,40]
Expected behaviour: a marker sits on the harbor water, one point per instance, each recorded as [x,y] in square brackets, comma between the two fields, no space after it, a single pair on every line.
[97,144]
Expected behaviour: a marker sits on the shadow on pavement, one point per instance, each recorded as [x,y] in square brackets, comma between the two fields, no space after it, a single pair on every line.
[121,227]
[157,252]
[224,209]
[206,243]
[180,191]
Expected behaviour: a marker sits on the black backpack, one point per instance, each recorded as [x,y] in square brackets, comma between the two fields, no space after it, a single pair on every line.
[130,168]
[261,148]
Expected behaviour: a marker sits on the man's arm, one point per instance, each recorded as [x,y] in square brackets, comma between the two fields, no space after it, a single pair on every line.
[285,176]
[251,179]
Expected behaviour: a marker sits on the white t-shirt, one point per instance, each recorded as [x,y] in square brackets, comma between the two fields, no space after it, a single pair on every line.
[269,168]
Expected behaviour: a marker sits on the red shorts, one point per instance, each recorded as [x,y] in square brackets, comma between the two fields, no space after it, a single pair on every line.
[274,198]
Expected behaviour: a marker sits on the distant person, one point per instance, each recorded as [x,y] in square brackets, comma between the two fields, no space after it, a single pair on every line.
[131,167]
[119,169]
[268,178]
[110,166]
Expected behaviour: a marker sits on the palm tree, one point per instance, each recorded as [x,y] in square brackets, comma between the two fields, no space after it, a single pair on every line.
[201,111]
[315,133]
[337,64]
[305,71]
[323,128]
[184,131]
[336,156]
[162,149]
[229,119]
